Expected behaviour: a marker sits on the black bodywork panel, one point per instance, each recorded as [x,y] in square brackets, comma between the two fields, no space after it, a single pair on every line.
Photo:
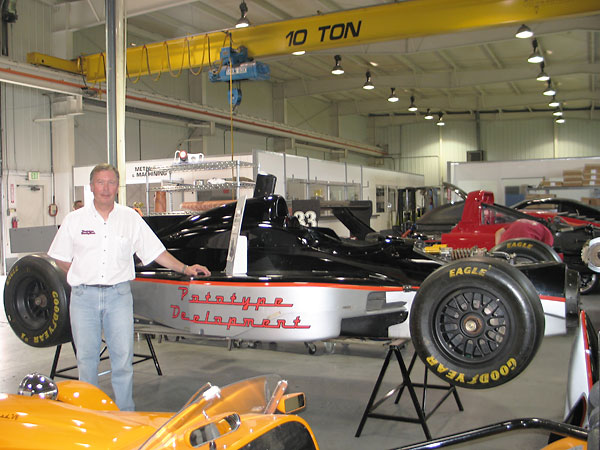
[280,248]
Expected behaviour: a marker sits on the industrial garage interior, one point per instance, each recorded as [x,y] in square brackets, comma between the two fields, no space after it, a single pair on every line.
[343,101]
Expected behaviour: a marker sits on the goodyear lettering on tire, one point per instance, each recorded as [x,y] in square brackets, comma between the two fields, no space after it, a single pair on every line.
[480,378]
[468,270]
[14,270]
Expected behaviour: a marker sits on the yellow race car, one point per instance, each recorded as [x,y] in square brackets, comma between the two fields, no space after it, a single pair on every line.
[250,414]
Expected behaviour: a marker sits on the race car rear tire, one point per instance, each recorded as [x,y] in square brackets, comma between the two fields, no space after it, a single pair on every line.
[477,323]
[528,250]
[36,301]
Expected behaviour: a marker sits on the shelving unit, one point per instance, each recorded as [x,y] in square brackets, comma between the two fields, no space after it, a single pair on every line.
[330,190]
[235,166]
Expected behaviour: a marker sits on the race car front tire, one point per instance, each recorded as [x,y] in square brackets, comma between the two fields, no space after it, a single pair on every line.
[528,250]
[477,323]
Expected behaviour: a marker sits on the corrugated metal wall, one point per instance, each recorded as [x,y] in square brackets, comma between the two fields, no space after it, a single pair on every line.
[457,139]
[426,149]
[27,143]
[309,114]
[31,32]
[144,139]
[420,151]
[578,138]
[518,139]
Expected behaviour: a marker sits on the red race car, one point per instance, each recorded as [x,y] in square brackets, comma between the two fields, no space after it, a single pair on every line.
[477,221]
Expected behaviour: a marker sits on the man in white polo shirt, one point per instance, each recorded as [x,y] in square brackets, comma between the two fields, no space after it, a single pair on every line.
[95,246]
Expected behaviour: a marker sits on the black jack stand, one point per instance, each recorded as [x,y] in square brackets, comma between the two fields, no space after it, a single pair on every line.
[422,415]
[54,372]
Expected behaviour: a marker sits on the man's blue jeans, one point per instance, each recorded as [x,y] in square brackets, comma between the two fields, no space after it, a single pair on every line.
[109,309]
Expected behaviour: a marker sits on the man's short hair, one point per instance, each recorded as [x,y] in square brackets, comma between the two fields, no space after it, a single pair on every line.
[102,167]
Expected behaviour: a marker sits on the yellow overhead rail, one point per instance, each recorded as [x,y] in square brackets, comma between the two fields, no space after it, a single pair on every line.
[345,28]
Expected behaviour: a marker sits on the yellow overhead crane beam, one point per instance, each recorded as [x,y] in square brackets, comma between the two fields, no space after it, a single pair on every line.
[339,29]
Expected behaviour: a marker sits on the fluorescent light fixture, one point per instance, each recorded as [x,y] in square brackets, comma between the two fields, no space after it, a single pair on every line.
[542,76]
[536,56]
[337,68]
[368,84]
[243,22]
[393,97]
[550,92]
[524,32]
[412,107]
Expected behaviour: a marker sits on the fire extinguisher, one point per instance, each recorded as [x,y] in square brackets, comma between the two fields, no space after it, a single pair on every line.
[15,222]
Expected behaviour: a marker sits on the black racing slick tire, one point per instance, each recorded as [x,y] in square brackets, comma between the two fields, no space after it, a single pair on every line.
[528,250]
[36,301]
[477,323]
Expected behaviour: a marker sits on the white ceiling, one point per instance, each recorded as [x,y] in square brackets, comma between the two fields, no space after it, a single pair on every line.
[484,70]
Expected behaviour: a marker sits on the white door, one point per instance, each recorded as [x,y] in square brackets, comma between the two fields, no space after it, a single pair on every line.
[30,205]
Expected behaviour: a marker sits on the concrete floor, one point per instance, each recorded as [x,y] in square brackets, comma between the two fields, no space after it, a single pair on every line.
[337,386]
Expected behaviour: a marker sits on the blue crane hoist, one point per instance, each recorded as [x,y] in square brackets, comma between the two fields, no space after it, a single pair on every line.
[237,66]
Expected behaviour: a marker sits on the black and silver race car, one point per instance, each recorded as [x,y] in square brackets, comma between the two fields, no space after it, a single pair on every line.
[477,322]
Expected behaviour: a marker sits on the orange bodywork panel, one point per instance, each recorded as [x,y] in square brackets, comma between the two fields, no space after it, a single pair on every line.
[83,416]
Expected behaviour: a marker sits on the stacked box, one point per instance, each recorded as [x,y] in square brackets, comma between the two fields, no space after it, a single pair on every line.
[572,177]
[550,183]
[587,182]
[591,201]
[591,175]
[536,196]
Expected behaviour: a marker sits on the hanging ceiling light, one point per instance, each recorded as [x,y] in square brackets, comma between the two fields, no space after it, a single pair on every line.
[524,32]
[393,97]
[542,76]
[554,103]
[368,84]
[428,115]
[550,92]
[536,56]
[412,107]
[243,22]
[557,112]
[440,122]
[560,119]
[337,69]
